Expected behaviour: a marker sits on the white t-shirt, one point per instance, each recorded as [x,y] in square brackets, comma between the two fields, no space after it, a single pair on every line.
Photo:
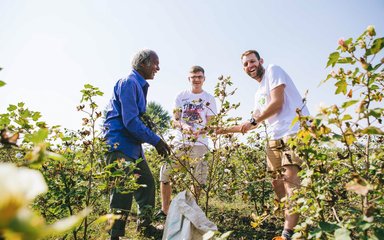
[195,108]
[279,125]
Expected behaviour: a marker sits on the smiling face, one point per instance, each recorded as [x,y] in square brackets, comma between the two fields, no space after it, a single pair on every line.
[253,66]
[149,70]
[197,80]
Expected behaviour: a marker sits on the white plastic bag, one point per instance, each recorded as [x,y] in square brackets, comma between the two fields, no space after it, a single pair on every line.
[186,220]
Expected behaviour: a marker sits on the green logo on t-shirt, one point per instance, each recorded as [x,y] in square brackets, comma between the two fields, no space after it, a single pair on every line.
[262,101]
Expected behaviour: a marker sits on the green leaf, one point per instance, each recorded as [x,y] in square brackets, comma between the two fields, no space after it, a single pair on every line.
[371,130]
[12,108]
[105,218]
[225,235]
[111,166]
[118,173]
[55,156]
[376,66]
[39,136]
[88,86]
[374,87]
[2,83]
[377,45]
[343,171]
[36,116]
[349,103]
[294,121]
[376,112]
[349,138]
[342,234]
[317,233]
[346,117]
[87,168]
[329,76]
[345,60]
[365,225]
[341,87]
[328,227]
[41,124]
[332,59]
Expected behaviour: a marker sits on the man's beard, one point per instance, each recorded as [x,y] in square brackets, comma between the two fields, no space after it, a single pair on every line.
[259,71]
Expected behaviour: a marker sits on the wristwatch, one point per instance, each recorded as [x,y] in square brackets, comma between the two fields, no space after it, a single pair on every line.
[253,121]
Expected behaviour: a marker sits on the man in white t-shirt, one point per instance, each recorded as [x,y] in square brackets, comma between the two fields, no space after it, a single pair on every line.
[193,109]
[276,101]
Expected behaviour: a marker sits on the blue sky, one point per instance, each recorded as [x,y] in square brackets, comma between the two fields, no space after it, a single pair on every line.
[50,49]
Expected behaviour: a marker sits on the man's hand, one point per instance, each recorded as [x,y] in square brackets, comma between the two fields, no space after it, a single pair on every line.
[245,127]
[162,148]
[185,128]
[220,130]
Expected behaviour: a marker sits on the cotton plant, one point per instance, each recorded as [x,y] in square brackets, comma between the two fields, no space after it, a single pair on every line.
[19,186]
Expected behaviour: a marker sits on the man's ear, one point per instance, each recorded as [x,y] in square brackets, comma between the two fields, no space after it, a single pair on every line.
[261,60]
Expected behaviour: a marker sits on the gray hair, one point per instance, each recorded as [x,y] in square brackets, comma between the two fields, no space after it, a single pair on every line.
[142,57]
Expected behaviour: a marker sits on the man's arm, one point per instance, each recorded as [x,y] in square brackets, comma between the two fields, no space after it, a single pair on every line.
[130,115]
[204,130]
[274,107]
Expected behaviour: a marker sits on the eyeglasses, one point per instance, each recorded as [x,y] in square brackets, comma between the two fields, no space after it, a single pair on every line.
[196,77]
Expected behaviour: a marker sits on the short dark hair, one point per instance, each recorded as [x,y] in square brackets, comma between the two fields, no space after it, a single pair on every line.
[246,53]
[195,69]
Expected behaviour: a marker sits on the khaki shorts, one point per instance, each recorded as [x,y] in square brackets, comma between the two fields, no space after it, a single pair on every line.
[199,165]
[279,155]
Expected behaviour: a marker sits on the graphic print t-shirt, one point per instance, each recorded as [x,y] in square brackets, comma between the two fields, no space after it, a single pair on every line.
[195,108]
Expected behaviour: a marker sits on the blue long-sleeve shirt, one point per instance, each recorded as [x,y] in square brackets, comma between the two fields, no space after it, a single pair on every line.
[123,129]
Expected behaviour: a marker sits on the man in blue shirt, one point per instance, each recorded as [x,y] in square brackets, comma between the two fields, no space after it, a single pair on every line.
[125,132]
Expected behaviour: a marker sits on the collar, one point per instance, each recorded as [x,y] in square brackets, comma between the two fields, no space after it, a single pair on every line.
[139,78]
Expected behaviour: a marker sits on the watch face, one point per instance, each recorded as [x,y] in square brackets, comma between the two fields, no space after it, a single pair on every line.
[253,121]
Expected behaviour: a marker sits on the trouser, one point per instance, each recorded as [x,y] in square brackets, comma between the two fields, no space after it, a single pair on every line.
[144,196]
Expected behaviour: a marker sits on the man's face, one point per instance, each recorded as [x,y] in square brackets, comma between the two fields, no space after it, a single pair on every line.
[149,71]
[252,66]
[196,79]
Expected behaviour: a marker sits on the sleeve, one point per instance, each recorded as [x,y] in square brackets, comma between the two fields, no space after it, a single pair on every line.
[212,109]
[177,103]
[277,77]
[177,107]
[129,99]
